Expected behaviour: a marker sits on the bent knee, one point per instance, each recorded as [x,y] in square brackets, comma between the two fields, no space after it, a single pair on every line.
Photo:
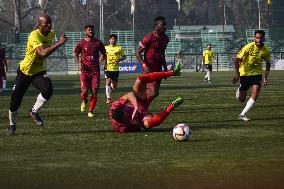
[46,94]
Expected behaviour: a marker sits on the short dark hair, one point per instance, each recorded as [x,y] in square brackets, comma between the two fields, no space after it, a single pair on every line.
[90,26]
[113,36]
[259,31]
[209,44]
[118,115]
[158,18]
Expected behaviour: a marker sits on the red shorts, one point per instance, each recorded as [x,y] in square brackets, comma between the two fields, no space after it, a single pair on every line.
[90,80]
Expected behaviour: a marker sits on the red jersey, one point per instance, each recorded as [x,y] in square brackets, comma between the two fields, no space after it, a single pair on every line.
[127,125]
[155,47]
[89,51]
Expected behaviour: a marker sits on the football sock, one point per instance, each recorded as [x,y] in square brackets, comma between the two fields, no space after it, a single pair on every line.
[157,119]
[249,105]
[40,102]
[154,76]
[84,97]
[4,84]
[12,117]
[209,75]
[93,103]
[108,91]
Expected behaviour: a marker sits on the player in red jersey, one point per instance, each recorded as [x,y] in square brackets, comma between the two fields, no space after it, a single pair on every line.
[90,49]
[130,113]
[3,69]
[153,45]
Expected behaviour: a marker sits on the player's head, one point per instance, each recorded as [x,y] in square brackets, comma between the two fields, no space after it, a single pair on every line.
[259,37]
[160,24]
[44,24]
[112,39]
[89,31]
[209,46]
[118,115]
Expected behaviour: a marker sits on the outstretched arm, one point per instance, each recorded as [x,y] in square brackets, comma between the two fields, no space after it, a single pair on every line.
[45,52]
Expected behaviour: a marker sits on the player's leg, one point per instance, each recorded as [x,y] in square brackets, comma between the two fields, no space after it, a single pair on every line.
[209,72]
[43,83]
[21,85]
[93,102]
[4,80]
[95,84]
[108,90]
[157,119]
[255,82]
[84,90]
[142,80]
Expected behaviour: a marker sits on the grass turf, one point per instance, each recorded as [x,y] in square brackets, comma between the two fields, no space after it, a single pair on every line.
[74,151]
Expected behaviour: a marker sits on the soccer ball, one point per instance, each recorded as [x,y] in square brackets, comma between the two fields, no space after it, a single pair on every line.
[181,132]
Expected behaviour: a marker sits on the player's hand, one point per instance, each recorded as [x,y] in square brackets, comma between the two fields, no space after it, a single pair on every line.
[63,39]
[265,82]
[236,78]
[146,69]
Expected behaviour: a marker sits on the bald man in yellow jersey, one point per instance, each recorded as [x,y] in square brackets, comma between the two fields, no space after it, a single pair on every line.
[115,54]
[33,71]
[249,71]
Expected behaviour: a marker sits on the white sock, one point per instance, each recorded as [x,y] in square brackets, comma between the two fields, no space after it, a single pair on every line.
[209,75]
[4,84]
[40,102]
[108,91]
[238,93]
[13,117]
[249,105]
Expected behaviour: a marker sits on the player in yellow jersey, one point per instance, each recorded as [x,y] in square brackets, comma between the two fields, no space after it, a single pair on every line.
[33,71]
[207,60]
[115,54]
[249,71]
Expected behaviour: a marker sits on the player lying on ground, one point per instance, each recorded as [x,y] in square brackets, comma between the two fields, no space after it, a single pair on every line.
[130,113]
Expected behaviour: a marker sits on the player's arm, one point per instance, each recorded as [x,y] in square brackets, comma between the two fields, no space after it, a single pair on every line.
[138,53]
[267,69]
[130,97]
[45,52]
[121,58]
[5,62]
[237,66]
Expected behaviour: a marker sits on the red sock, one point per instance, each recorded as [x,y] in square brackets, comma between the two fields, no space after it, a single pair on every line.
[154,76]
[93,103]
[84,97]
[157,119]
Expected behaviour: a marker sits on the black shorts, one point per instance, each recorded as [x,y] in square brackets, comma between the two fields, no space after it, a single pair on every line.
[113,75]
[208,67]
[247,81]
[40,81]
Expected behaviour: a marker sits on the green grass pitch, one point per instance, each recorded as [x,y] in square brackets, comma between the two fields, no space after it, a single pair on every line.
[74,151]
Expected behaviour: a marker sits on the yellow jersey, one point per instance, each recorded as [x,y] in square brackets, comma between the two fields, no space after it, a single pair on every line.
[113,53]
[252,57]
[208,56]
[32,63]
